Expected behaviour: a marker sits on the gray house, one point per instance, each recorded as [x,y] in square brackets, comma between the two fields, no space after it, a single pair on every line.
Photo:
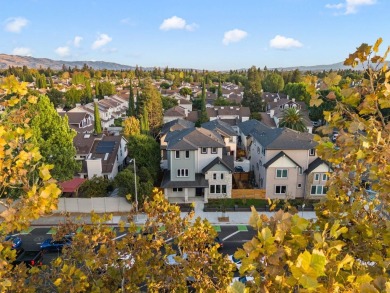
[197,165]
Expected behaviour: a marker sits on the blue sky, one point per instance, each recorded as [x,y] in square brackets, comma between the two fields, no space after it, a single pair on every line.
[213,34]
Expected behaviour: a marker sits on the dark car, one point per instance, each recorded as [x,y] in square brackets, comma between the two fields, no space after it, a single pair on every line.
[16,241]
[29,258]
[238,169]
[55,245]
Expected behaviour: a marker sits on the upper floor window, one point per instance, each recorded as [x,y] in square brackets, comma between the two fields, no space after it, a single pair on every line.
[213,150]
[324,177]
[281,173]
[214,176]
[312,152]
[316,176]
[263,151]
[280,189]
[204,150]
[177,154]
[222,176]
[187,154]
[182,172]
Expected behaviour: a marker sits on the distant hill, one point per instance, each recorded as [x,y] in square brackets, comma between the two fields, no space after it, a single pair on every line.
[31,62]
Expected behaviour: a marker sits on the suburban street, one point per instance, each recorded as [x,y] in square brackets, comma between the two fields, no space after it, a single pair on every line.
[232,236]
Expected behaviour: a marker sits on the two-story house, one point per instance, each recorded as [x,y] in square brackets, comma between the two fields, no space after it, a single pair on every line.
[283,162]
[197,165]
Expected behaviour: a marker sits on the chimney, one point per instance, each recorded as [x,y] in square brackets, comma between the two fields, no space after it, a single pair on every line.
[275,100]
[293,99]
[288,97]
[272,113]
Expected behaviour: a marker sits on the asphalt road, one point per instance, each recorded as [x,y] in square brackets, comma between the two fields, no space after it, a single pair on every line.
[232,236]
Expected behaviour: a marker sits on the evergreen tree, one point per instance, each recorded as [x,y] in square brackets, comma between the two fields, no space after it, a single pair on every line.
[203,113]
[88,91]
[97,122]
[97,89]
[219,89]
[145,122]
[131,109]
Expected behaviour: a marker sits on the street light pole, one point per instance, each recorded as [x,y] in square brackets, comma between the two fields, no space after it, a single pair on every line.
[135,189]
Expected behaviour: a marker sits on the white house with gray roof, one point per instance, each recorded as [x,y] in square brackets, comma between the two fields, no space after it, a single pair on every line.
[282,161]
[197,165]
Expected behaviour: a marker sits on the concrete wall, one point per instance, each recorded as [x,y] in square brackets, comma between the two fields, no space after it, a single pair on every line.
[97,204]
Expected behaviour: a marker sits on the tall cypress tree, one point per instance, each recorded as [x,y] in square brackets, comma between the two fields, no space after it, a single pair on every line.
[137,106]
[145,121]
[131,109]
[97,122]
[219,89]
[203,114]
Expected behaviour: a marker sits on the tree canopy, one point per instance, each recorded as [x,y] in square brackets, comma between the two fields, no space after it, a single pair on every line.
[292,119]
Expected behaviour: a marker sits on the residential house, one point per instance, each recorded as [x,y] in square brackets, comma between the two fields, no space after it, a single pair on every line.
[275,106]
[197,165]
[106,158]
[283,161]
[81,122]
[244,139]
[175,113]
[227,133]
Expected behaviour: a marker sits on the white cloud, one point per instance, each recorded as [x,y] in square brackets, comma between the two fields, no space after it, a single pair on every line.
[233,36]
[21,51]
[281,42]
[351,6]
[177,23]
[102,40]
[77,40]
[63,51]
[15,24]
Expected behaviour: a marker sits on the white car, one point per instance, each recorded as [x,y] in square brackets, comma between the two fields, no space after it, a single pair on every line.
[172,259]
[234,260]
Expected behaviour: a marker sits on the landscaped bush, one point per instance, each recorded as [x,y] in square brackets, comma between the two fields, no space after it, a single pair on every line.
[257,203]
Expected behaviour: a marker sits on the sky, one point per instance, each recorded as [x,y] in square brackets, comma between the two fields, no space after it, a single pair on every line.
[202,34]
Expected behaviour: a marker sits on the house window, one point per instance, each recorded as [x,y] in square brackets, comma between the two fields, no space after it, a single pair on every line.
[300,170]
[182,172]
[221,176]
[212,188]
[258,150]
[312,152]
[324,177]
[299,185]
[218,189]
[214,176]
[263,151]
[187,154]
[213,150]
[316,176]
[204,150]
[179,189]
[223,188]
[281,173]
[318,190]
[280,189]
[177,154]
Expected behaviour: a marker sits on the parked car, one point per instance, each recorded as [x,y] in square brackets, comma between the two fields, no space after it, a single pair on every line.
[238,169]
[29,258]
[55,245]
[234,260]
[172,259]
[16,241]
[315,123]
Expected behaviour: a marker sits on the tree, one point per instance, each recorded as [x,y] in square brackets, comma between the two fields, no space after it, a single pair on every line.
[95,187]
[297,91]
[56,97]
[131,126]
[273,83]
[252,92]
[168,102]
[96,120]
[292,119]
[131,110]
[72,97]
[22,170]
[346,248]
[185,91]
[55,138]
[146,152]
[219,89]
[203,113]
[87,92]
[144,122]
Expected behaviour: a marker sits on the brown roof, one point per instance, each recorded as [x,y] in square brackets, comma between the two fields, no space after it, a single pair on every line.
[83,142]
[176,111]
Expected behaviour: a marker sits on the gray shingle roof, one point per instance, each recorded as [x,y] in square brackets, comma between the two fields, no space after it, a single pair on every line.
[284,139]
[176,124]
[317,162]
[193,138]
[220,126]
[200,181]
[226,161]
[247,126]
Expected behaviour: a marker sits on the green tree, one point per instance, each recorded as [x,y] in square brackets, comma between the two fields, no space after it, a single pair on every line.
[87,92]
[185,91]
[168,102]
[345,249]
[131,110]
[273,83]
[146,152]
[219,89]
[106,88]
[203,113]
[72,97]
[144,122]
[252,92]
[56,97]
[55,138]
[95,187]
[96,120]
[298,92]
[292,119]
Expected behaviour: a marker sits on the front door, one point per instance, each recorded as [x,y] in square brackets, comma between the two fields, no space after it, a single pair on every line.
[199,191]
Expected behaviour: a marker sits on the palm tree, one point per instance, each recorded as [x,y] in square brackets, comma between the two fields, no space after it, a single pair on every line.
[292,119]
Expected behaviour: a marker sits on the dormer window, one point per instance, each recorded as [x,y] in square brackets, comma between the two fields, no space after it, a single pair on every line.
[312,152]
[213,150]
[204,150]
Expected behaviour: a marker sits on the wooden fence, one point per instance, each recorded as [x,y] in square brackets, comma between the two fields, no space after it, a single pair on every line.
[248,193]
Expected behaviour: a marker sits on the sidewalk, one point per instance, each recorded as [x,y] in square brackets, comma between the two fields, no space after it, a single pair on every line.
[235,218]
